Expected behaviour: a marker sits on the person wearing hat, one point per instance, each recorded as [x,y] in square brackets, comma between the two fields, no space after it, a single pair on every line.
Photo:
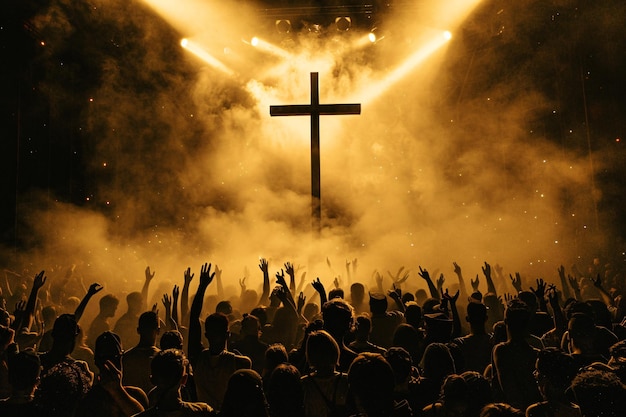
[108,397]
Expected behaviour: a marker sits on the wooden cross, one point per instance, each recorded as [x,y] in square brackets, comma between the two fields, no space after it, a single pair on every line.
[315,110]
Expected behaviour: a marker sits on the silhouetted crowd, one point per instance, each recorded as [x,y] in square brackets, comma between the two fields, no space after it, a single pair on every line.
[458,350]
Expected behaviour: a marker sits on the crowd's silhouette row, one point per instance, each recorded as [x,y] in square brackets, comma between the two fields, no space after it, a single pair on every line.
[430,348]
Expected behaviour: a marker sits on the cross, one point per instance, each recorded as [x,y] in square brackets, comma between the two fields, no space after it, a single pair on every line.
[315,110]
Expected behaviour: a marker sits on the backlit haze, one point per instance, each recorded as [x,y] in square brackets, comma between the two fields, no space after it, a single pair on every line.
[461,152]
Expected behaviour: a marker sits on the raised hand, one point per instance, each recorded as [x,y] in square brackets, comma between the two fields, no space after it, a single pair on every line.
[175,293]
[263,265]
[94,289]
[167,302]
[242,284]
[516,281]
[289,269]
[336,282]
[206,276]
[475,283]
[280,278]
[440,281]
[553,296]
[399,277]
[573,282]
[149,275]
[424,274]
[218,273]
[486,270]
[155,308]
[318,286]
[561,270]
[540,292]
[39,281]
[508,297]
[301,301]
[457,268]
[188,276]
[395,293]
[379,279]
[451,298]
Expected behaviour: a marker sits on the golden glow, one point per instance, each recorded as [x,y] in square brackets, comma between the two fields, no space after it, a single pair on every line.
[374,90]
[371,37]
[198,51]
[270,48]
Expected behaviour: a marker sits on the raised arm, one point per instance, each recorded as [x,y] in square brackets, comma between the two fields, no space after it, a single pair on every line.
[175,293]
[319,287]
[540,293]
[184,296]
[456,320]
[459,275]
[93,290]
[280,280]
[195,330]
[292,276]
[146,286]
[27,315]
[516,281]
[265,296]
[573,281]
[606,297]
[491,288]
[169,320]
[219,284]
[431,287]
[396,295]
[564,285]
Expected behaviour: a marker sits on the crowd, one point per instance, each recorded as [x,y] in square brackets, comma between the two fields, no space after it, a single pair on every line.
[440,348]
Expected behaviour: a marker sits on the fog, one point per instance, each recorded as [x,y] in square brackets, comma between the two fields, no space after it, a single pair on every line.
[446,163]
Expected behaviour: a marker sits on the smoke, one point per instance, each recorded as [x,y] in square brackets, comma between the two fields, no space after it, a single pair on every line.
[451,162]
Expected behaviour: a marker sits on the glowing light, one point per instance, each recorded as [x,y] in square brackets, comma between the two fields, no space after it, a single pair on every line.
[412,62]
[184,42]
[372,37]
[198,51]
[447,35]
[269,48]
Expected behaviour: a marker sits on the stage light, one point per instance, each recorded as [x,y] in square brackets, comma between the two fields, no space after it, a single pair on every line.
[201,53]
[283,26]
[372,37]
[447,35]
[413,61]
[269,48]
[343,23]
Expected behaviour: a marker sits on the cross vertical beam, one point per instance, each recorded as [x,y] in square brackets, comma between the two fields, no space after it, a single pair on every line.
[315,110]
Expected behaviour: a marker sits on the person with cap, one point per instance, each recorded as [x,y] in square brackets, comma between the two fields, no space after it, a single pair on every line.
[108,397]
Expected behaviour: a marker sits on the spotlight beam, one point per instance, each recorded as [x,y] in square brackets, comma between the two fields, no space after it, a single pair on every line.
[375,90]
[199,52]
